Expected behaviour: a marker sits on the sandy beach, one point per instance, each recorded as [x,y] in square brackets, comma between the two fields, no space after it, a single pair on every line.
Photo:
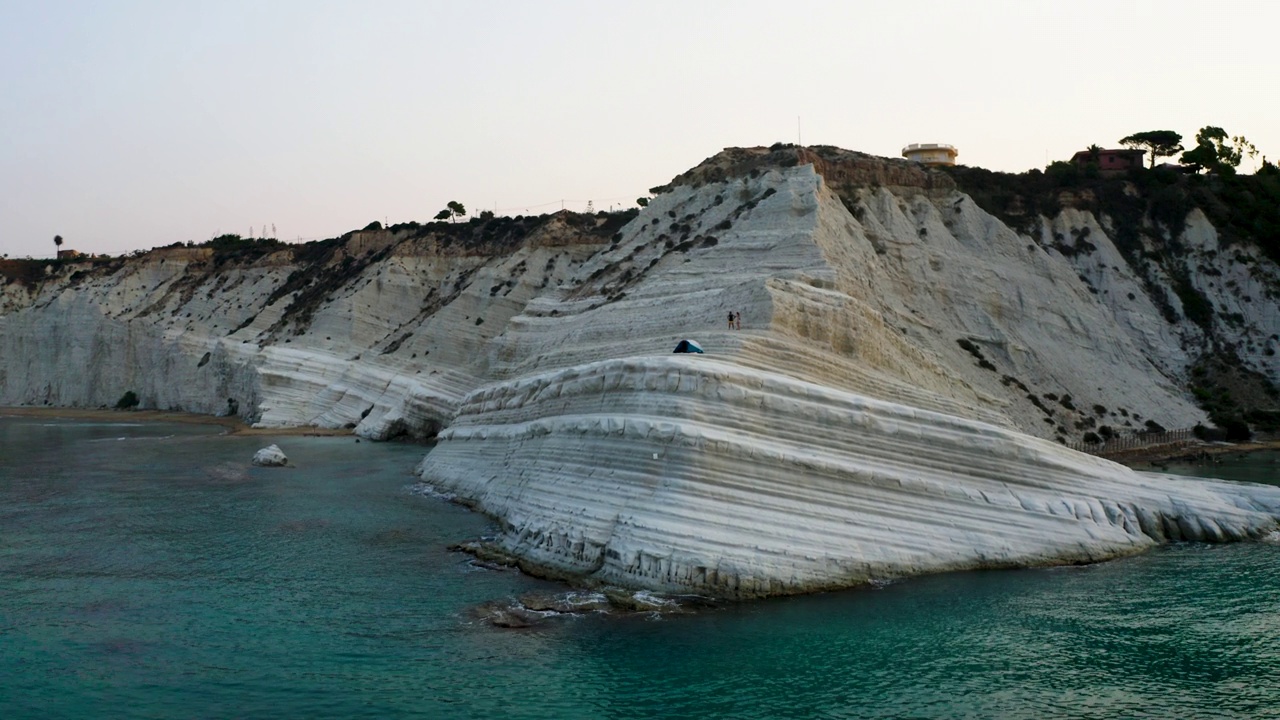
[233,425]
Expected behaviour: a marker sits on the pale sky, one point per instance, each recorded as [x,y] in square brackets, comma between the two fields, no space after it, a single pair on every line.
[130,125]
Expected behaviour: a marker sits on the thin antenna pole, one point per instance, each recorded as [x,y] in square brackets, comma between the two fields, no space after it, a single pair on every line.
[799,139]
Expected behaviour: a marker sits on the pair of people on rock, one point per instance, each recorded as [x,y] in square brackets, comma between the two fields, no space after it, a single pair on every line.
[735,320]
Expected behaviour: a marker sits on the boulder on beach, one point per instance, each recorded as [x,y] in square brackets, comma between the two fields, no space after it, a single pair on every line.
[270,456]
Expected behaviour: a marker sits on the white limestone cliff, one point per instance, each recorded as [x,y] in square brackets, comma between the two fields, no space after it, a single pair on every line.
[890,405]
[685,473]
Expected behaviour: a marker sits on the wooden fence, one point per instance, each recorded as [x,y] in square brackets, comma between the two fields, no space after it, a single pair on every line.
[1137,441]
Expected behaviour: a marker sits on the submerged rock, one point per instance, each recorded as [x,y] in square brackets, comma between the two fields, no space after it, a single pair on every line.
[570,602]
[508,615]
[631,601]
[270,456]
[538,607]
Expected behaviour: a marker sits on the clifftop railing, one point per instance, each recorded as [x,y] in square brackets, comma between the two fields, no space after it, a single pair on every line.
[1137,441]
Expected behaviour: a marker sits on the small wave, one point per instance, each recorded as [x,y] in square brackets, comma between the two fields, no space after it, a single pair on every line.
[81,424]
[125,438]
[584,599]
[426,490]
[477,565]
[658,601]
[510,614]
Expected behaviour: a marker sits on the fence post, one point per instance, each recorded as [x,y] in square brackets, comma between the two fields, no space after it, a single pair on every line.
[1134,441]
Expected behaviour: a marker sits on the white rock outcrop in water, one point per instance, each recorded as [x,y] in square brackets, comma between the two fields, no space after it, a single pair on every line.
[270,456]
[890,406]
[764,484]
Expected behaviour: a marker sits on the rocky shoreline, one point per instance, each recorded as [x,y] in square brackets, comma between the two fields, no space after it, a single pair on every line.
[1154,458]
[233,425]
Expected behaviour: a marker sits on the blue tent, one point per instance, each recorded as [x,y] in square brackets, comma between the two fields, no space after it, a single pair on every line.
[688,346]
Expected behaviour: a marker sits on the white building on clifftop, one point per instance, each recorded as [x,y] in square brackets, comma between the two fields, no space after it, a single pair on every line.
[931,153]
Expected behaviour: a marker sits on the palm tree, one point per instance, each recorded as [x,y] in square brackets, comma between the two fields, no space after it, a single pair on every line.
[57,243]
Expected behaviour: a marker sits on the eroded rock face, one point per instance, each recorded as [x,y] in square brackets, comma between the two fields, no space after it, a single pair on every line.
[270,456]
[763,484]
[874,419]
[381,331]
[890,406]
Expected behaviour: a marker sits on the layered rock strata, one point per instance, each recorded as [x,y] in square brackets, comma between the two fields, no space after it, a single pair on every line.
[688,474]
[895,402]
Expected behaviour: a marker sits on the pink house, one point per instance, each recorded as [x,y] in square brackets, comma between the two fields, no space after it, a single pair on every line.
[1113,161]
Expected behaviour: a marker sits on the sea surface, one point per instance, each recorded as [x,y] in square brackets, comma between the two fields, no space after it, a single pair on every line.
[148,571]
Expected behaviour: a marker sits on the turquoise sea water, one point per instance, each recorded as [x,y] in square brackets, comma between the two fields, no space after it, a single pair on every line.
[147,571]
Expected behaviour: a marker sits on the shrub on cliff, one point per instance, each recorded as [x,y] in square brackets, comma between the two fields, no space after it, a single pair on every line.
[1236,429]
[27,272]
[1195,306]
[231,247]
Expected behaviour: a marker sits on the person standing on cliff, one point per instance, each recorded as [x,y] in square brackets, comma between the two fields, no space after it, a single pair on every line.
[737,320]
[730,319]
